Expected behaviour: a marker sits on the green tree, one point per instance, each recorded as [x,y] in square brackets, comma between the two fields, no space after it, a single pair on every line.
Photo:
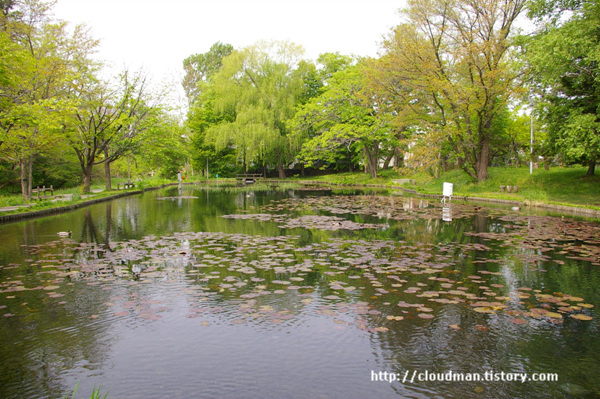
[564,57]
[206,157]
[199,68]
[451,58]
[260,86]
[345,119]
[108,121]
[36,95]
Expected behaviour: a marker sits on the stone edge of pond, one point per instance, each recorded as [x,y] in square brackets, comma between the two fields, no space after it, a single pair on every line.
[572,210]
[61,209]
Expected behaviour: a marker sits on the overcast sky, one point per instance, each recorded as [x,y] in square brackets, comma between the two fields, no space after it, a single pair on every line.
[159,35]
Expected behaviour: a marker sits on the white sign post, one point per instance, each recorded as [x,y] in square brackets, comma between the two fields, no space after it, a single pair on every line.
[447,192]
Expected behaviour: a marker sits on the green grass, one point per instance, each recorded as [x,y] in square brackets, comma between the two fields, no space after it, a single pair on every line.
[95,394]
[76,193]
[560,186]
[385,177]
[563,186]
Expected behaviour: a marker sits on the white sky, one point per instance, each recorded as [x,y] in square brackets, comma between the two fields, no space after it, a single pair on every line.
[158,35]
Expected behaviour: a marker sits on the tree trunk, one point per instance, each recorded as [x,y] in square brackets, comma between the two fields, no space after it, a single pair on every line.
[398,157]
[591,168]
[281,170]
[372,160]
[483,160]
[87,177]
[107,177]
[26,175]
[386,163]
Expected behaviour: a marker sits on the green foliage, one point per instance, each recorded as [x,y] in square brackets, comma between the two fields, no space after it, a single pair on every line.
[258,88]
[564,59]
[164,150]
[344,122]
[448,69]
[96,394]
[199,68]
[201,117]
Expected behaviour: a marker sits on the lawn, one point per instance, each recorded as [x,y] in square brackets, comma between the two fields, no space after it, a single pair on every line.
[562,186]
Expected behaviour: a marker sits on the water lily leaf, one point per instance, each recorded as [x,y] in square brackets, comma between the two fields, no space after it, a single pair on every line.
[586,305]
[381,329]
[581,317]
[553,315]
[518,321]
[484,310]
[397,318]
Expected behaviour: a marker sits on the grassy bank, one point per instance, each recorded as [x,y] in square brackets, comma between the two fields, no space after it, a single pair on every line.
[560,186]
[71,196]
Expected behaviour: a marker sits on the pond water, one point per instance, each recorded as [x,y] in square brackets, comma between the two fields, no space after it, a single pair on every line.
[276,292]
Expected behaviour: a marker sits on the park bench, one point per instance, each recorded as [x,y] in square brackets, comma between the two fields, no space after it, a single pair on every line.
[38,190]
[249,177]
[125,185]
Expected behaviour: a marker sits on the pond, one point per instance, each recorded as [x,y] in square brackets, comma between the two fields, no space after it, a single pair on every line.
[290,292]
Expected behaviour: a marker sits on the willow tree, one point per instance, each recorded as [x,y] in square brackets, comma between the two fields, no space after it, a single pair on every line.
[453,57]
[260,86]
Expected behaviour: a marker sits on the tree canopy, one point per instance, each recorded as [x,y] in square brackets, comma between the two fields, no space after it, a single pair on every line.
[451,88]
[567,79]
[259,86]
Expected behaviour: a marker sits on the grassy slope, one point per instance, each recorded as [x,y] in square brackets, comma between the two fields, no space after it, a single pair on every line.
[565,186]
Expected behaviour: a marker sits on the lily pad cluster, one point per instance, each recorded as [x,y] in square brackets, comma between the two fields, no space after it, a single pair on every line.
[318,222]
[369,284]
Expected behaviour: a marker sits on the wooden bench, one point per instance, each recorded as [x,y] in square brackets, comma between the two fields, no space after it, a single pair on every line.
[44,190]
[249,177]
[125,185]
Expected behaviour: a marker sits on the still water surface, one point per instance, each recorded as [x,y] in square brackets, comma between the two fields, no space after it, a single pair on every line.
[271,292]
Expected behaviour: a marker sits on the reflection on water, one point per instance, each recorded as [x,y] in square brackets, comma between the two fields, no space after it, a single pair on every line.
[272,292]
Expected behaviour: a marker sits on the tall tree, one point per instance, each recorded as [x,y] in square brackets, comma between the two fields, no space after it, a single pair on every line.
[564,56]
[199,68]
[201,117]
[108,121]
[345,120]
[452,57]
[260,85]
[165,148]
[51,57]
